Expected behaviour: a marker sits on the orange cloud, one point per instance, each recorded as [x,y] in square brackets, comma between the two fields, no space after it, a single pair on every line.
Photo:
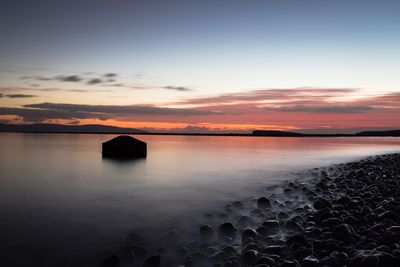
[280,109]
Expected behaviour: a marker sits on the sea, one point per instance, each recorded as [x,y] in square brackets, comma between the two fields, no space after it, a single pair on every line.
[62,204]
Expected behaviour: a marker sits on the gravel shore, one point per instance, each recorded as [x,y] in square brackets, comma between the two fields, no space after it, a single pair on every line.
[344,215]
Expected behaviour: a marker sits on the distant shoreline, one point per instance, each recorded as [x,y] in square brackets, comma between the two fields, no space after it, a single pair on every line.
[103,129]
[212,134]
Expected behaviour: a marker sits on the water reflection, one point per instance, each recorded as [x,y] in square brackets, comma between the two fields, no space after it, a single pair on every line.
[58,194]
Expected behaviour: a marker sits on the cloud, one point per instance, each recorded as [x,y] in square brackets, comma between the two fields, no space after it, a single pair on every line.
[172,88]
[37,115]
[37,78]
[297,100]
[61,78]
[38,90]
[285,94]
[178,88]
[106,79]
[70,78]
[94,81]
[109,78]
[47,111]
[120,110]
[110,75]
[20,96]
[322,109]
[17,95]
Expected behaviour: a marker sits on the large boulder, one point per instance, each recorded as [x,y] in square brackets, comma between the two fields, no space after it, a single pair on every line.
[124,147]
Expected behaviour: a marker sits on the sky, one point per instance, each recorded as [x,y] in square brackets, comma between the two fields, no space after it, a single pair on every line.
[202,66]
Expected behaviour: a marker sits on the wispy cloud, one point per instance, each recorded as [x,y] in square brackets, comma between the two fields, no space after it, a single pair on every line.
[94,81]
[71,78]
[297,100]
[178,88]
[118,110]
[107,79]
[87,78]
[321,109]
[258,96]
[110,75]
[38,90]
[17,95]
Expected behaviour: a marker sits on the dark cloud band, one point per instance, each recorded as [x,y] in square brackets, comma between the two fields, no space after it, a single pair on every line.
[44,111]
[17,95]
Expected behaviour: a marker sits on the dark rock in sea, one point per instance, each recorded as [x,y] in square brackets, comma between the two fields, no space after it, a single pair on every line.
[249,233]
[238,205]
[171,236]
[283,215]
[245,221]
[227,229]
[206,232]
[140,252]
[182,251]
[154,261]
[133,238]
[272,226]
[124,147]
[263,203]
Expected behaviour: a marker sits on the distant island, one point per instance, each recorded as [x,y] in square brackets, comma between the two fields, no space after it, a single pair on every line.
[294,134]
[104,129]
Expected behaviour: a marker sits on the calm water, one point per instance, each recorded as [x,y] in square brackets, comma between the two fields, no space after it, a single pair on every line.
[61,204]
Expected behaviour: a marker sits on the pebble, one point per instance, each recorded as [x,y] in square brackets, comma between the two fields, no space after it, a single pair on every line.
[263,203]
[153,261]
[227,229]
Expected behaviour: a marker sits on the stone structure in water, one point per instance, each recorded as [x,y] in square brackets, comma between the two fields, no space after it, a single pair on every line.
[124,147]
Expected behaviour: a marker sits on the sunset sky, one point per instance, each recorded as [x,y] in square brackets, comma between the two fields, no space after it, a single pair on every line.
[198,66]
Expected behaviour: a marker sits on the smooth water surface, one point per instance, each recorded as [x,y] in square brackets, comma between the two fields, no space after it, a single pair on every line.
[61,204]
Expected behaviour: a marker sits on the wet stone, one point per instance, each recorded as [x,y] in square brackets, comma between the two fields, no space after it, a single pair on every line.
[171,236]
[342,232]
[111,261]
[290,263]
[153,261]
[263,203]
[227,229]
[206,232]
[249,257]
[310,261]
[321,203]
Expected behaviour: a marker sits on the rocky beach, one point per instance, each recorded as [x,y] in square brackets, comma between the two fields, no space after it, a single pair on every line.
[341,215]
